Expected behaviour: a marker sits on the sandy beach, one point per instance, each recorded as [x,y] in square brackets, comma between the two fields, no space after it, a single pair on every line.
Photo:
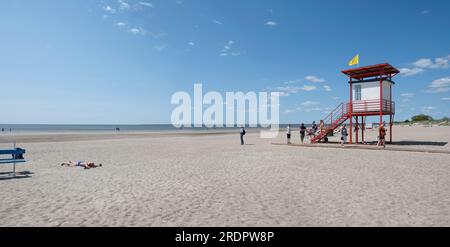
[167,179]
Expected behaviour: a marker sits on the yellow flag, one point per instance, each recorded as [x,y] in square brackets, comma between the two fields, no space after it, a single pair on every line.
[354,61]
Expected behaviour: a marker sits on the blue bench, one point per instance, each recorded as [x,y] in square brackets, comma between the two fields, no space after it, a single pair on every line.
[15,156]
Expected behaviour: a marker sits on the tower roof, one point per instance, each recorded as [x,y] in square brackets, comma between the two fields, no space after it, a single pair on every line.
[361,73]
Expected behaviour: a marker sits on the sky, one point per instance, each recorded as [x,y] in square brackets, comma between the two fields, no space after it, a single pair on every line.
[120,61]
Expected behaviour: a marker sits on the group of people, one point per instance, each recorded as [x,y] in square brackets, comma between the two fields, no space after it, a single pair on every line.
[314,130]
[305,132]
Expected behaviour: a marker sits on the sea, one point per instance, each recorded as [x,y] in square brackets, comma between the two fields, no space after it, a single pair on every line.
[111,128]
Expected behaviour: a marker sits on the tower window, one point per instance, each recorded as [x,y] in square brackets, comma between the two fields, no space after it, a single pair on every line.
[357,92]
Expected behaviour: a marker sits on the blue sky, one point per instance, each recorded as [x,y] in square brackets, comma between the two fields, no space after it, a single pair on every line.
[119,62]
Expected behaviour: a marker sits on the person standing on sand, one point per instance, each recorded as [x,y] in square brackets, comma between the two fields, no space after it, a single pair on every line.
[242,133]
[302,132]
[288,134]
[321,125]
[344,134]
[314,127]
[381,136]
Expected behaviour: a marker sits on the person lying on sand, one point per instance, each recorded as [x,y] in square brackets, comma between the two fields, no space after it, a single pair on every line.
[85,164]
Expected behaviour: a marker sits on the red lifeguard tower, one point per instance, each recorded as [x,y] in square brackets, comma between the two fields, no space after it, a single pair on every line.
[370,95]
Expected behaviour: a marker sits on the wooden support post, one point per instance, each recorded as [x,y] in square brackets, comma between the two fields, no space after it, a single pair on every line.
[363,127]
[392,114]
[390,128]
[351,111]
[357,129]
[381,100]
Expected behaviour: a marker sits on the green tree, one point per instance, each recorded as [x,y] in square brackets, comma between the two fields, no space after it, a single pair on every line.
[421,117]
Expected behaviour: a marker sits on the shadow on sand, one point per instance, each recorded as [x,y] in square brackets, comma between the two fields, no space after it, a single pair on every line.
[421,143]
[19,175]
[414,143]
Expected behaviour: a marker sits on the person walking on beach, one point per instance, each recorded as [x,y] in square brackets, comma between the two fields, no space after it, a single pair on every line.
[344,134]
[242,133]
[381,136]
[302,132]
[288,134]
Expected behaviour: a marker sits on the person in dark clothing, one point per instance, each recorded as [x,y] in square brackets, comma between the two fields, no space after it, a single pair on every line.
[344,134]
[242,133]
[314,127]
[302,132]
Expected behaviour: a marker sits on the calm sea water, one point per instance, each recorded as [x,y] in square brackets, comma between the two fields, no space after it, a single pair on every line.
[105,128]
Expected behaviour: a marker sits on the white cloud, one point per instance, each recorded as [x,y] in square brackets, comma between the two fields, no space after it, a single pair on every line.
[424,12]
[445,98]
[228,46]
[440,85]
[439,63]
[291,82]
[120,24]
[109,9]
[308,88]
[288,90]
[336,97]
[137,30]
[327,88]
[424,64]
[123,4]
[191,43]
[146,4]
[228,50]
[271,24]
[217,22]
[289,111]
[310,103]
[405,72]
[315,79]
[407,95]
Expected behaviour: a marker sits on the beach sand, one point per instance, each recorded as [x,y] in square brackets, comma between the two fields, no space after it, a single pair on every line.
[204,179]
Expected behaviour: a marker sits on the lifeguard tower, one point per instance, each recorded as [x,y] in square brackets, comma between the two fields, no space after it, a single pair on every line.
[370,95]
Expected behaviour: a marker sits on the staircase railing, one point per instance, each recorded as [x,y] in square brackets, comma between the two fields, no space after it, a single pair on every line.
[334,118]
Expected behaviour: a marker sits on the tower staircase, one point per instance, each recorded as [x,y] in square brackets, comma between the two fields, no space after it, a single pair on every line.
[332,121]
